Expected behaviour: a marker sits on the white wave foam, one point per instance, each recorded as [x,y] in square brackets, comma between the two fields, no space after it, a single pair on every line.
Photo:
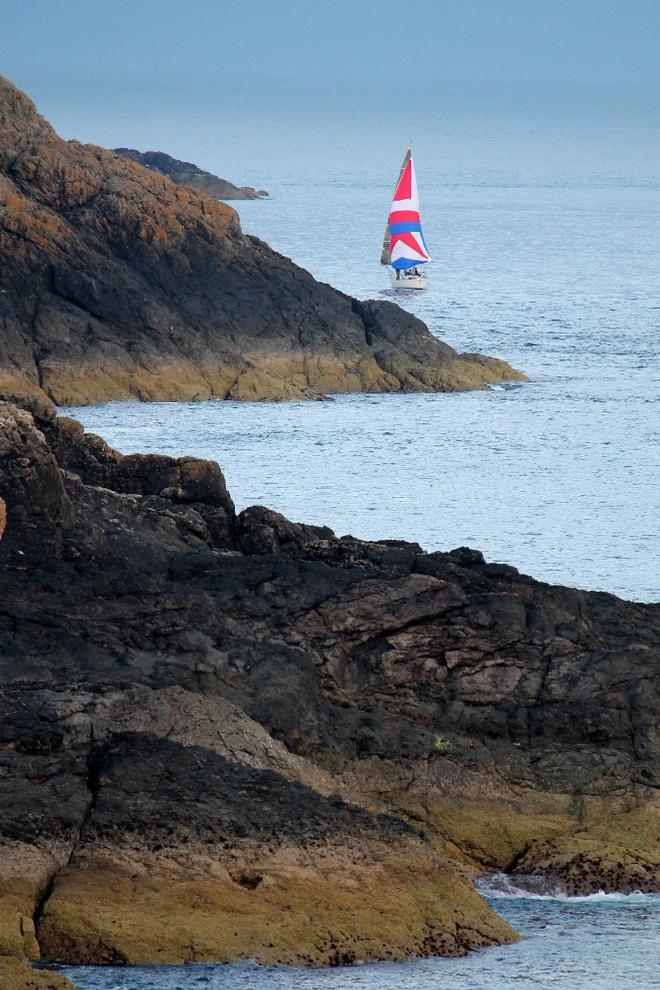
[537,887]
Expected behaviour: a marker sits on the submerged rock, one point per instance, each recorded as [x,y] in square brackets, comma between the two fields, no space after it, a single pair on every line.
[117,284]
[234,736]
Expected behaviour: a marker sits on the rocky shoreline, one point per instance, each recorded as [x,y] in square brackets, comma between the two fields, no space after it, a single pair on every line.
[115,283]
[190,175]
[18,975]
[233,736]
[228,735]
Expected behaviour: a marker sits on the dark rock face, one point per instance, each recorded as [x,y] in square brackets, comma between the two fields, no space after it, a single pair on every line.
[36,500]
[242,705]
[115,283]
[192,176]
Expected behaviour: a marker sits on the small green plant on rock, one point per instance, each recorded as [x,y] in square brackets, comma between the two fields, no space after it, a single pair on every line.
[441,745]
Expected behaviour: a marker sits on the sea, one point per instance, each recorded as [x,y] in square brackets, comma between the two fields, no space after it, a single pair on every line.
[541,209]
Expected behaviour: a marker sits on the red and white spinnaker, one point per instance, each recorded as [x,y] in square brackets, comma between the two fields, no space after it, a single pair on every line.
[404,247]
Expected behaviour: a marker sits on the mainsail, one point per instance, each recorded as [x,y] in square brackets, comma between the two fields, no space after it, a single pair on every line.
[403,245]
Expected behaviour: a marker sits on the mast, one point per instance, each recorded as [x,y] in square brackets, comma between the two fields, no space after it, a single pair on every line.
[385,253]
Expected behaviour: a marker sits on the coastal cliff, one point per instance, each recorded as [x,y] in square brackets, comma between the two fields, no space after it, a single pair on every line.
[116,283]
[192,176]
[233,736]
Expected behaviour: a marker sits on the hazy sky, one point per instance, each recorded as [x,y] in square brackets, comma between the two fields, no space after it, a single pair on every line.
[405,42]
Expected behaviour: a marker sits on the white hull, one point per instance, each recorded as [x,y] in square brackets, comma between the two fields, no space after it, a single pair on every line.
[407,281]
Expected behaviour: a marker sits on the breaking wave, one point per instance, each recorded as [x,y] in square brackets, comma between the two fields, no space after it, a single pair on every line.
[538,887]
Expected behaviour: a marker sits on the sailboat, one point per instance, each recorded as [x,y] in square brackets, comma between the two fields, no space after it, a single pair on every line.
[404,248]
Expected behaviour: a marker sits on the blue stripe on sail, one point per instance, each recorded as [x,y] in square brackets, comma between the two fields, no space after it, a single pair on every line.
[402,263]
[405,228]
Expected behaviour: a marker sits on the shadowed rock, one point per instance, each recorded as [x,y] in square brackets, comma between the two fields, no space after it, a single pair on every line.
[214,728]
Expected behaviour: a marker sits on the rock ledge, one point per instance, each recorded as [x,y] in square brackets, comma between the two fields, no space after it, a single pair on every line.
[234,736]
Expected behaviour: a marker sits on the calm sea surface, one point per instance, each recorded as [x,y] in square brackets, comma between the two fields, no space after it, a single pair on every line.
[542,213]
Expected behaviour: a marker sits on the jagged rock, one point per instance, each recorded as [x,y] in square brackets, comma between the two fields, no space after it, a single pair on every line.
[196,732]
[117,284]
[35,504]
[192,176]
[260,530]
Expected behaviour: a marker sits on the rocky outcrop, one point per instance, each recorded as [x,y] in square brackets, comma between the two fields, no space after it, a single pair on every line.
[233,736]
[17,975]
[618,852]
[189,175]
[115,284]
[218,860]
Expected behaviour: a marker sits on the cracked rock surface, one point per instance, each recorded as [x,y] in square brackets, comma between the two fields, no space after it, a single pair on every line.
[234,736]
[115,283]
